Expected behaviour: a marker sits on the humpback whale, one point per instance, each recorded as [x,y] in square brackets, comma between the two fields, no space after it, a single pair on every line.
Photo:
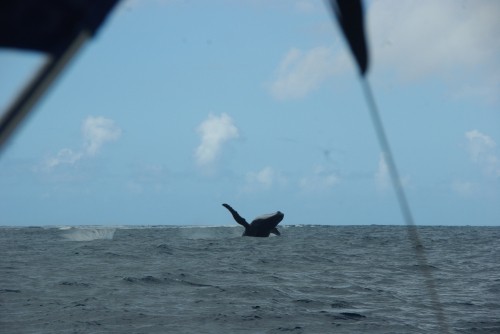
[261,226]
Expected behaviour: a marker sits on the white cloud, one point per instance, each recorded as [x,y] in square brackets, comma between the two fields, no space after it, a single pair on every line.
[263,177]
[304,6]
[382,177]
[382,180]
[419,38]
[215,131]
[96,132]
[266,178]
[320,180]
[479,145]
[148,178]
[482,151]
[300,72]
[64,156]
[465,188]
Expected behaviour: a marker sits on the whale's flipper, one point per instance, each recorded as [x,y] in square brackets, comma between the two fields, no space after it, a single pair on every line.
[239,219]
[261,226]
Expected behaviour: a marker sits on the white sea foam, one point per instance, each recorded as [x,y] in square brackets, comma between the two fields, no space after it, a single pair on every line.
[89,234]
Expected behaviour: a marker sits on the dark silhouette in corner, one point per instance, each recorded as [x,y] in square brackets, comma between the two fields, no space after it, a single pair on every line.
[261,226]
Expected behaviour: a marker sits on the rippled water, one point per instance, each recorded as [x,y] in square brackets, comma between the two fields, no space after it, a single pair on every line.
[312,279]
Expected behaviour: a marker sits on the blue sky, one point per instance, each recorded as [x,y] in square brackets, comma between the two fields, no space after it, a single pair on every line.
[179,106]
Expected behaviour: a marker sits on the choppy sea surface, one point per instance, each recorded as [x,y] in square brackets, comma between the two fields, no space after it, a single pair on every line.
[312,279]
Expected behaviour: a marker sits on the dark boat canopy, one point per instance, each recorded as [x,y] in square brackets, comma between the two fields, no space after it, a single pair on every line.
[349,15]
[49,25]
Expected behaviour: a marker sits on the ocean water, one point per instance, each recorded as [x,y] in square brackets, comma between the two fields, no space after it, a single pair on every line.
[312,279]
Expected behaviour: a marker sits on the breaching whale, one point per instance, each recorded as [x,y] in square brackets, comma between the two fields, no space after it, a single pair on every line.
[261,226]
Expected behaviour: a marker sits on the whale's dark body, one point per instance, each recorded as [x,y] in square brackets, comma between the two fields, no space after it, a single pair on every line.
[261,226]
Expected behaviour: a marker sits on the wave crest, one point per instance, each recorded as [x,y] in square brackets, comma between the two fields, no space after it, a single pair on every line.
[89,234]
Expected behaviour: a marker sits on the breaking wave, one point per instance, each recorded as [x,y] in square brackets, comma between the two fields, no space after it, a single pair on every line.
[89,234]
